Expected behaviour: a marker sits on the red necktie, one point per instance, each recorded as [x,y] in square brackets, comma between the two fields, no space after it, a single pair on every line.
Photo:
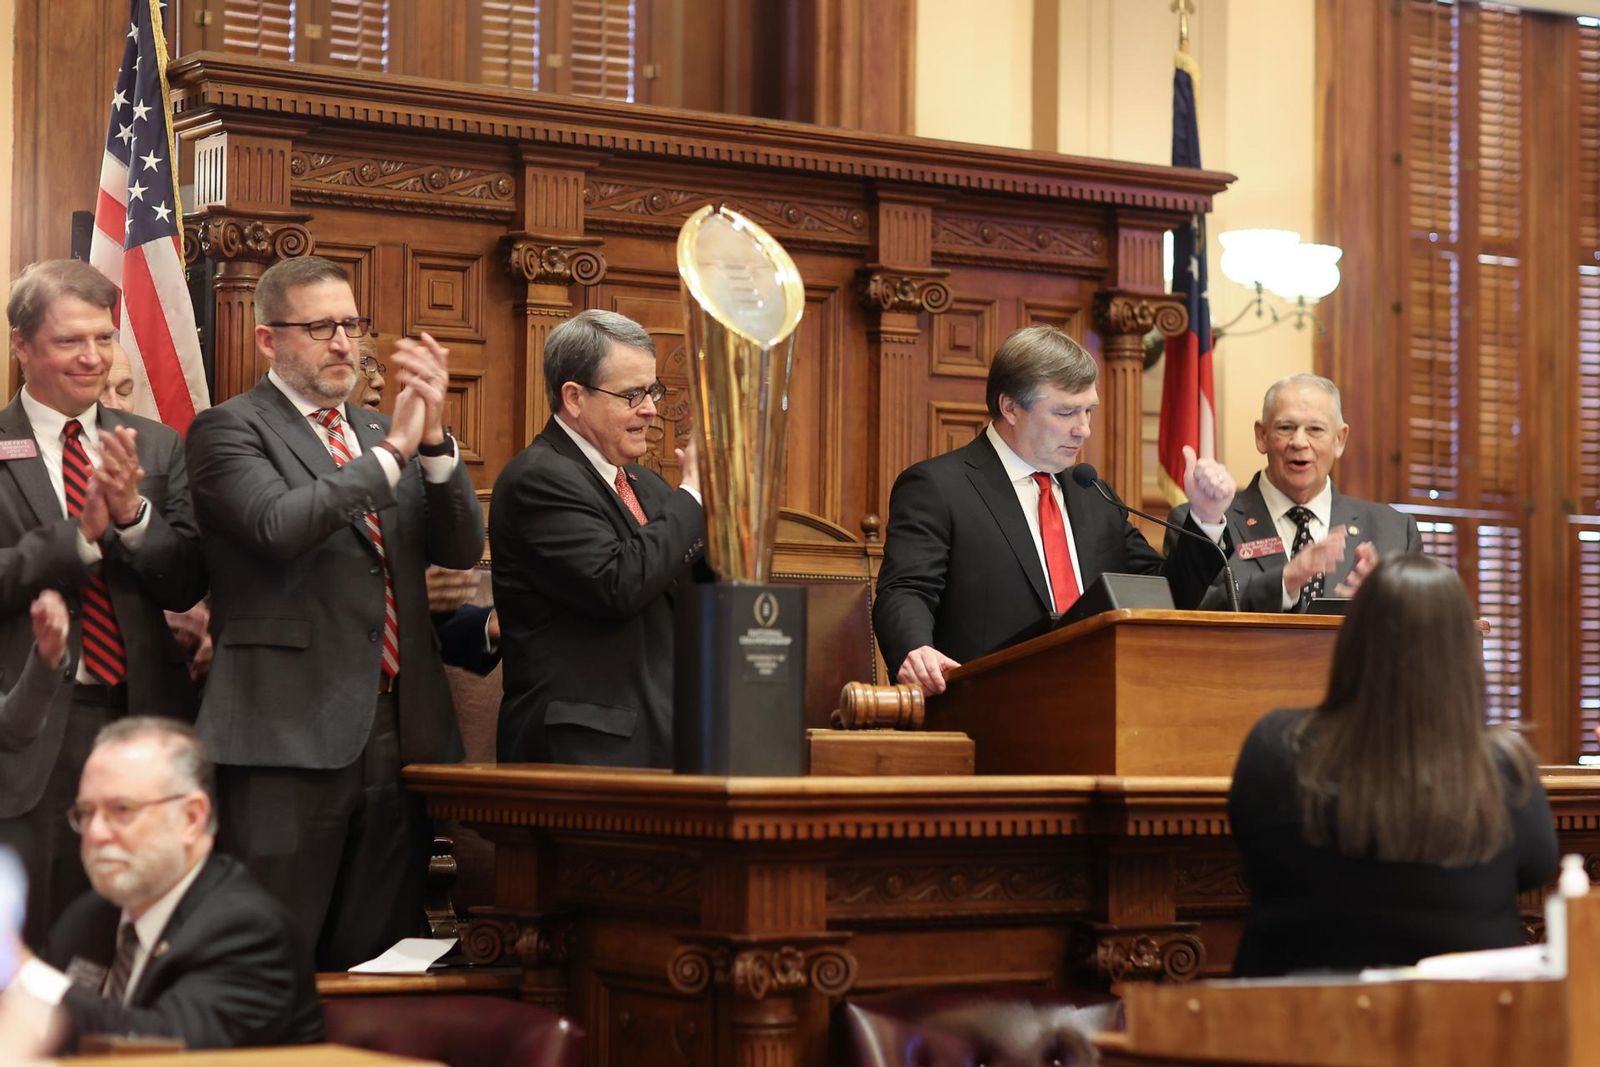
[103,651]
[625,491]
[1053,532]
[334,424]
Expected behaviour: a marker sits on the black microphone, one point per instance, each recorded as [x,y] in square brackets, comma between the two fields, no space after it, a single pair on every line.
[1087,477]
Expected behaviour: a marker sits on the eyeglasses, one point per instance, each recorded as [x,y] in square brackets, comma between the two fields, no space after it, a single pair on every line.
[323,329]
[634,397]
[370,366]
[118,812]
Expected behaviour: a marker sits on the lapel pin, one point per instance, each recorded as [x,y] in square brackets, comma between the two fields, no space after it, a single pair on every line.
[1251,521]
[373,426]
[160,950]
[1355,531]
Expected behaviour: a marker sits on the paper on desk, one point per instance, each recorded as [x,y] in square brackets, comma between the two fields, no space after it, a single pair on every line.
[410,955]
[1489,965]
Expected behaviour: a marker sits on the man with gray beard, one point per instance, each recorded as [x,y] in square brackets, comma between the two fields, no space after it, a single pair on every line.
[175,940]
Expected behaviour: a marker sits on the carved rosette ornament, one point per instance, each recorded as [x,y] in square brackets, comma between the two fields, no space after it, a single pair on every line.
[224,238]
[524,940]
[889,291]
[539,262]
[753,971]
[1171,952]
[1124,313]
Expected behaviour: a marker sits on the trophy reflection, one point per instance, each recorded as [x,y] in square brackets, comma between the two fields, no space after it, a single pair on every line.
[739,683]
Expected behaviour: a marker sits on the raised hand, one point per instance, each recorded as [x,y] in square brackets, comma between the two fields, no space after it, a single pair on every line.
[94,518]
[425,365]
[1366,559]
[49,615]
[119,473]
[1208,485]
[1319,557]
[689,464]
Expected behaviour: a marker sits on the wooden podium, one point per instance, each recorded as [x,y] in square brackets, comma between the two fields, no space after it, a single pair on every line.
[1135,692]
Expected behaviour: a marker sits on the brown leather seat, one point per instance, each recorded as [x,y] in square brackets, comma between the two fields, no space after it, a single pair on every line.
[461,1031]
[997,1026]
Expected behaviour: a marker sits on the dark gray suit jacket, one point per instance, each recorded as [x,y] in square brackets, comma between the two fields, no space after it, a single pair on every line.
[222,975]
[297,596]
[1260,578]
[585,596]
[38,550]
[960,570]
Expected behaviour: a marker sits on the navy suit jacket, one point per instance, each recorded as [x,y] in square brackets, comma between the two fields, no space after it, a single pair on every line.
[960,571]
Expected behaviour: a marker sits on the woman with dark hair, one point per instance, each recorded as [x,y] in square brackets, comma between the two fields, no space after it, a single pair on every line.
[1389,823]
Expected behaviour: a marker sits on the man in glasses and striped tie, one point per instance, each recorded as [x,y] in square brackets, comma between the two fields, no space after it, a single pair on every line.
[320,518]
[95,504]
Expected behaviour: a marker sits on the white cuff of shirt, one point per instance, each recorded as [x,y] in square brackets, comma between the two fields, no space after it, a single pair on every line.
[438,469]
[88,552]
[694,493]
[42,981]
[1214,530]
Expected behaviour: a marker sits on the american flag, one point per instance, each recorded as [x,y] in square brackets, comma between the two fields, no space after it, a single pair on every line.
[1188,397]
[138,228]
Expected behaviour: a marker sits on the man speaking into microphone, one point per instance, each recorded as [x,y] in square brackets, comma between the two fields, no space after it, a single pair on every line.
[990,539]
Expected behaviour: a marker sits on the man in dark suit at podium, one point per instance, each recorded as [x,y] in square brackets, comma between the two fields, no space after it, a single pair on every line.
[990,539]
[1292,536]
[589,548]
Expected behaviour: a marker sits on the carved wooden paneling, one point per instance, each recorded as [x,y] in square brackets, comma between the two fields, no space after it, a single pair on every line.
[463,412]
[651,299]
[444,294]
[1029,245]
[1063,315]
[953,423]
[380,181]
[657,207]
[907,890]
[817,398]
[357,261]
[964,338]
[642,1024]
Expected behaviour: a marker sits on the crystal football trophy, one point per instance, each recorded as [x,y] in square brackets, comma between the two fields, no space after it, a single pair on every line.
[739,681]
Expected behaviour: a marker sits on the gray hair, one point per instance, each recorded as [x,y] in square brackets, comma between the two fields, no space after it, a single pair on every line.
[574,350]
[191,767]
[1314,381]
[1033,357]
[272,291]
[42,284]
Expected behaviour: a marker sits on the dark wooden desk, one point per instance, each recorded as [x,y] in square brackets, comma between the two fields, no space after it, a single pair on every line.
[715,920]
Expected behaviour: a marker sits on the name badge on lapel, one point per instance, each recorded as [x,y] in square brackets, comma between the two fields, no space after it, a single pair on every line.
[18,448]
[86,974]
[1266,546]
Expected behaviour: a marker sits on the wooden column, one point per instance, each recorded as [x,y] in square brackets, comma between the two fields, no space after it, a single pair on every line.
[897,288]
[244,223]
[516,931]
[548,255]
[766,951]
[1123,319]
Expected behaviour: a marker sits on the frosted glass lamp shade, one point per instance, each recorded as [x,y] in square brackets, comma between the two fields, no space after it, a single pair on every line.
[1306,272]
[1250,257]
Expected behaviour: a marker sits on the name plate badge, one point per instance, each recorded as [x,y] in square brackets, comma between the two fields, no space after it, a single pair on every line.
[18,448]
[1266,546]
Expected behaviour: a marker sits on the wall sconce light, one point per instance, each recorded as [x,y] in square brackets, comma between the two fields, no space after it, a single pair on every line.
[1276,261]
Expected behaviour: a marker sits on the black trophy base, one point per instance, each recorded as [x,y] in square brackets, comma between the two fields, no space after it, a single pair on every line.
[739,680]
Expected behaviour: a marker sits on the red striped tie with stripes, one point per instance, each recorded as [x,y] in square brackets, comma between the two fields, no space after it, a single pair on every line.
[334,424]
[103,652]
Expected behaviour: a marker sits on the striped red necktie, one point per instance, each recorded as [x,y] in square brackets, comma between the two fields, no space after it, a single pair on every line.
[334,424]
[630,499]
[103,652]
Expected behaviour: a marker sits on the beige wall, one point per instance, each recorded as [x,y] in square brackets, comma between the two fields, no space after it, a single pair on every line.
[1113,80]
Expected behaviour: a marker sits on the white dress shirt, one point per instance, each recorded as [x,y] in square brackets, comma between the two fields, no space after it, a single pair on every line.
[434,468]
[1279,506]
[1020,473]
[48,424]
[604,467]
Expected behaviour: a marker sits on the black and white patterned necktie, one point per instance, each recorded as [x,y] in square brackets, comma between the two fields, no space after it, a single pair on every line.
[1301,517]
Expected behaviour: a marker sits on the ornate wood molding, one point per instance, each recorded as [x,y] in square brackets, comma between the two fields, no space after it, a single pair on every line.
[524,940]
[880,891]
[539,260]
[754,969]
[370,181]
[1136,314]
[1008,243]
[1165,952]
[207,83]
[659,208]
[226,238]
[882,289]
